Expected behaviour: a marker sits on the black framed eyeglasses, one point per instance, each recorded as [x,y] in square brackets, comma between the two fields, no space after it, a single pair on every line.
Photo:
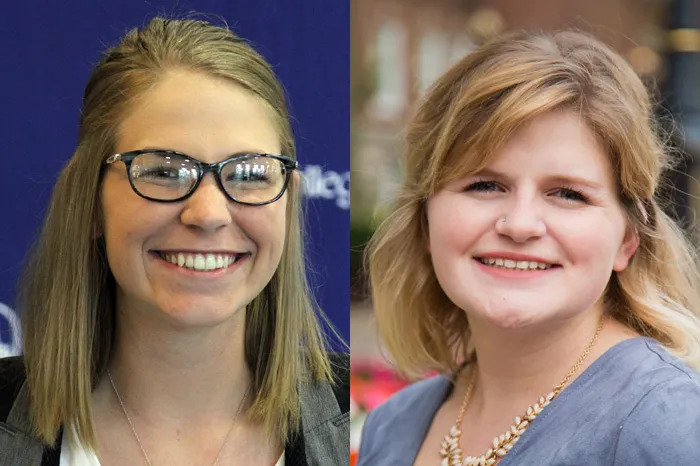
[170,176]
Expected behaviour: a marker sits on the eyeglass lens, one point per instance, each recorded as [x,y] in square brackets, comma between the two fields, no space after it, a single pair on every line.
[163,176]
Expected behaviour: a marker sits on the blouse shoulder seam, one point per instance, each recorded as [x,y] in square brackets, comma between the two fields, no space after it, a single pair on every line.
[643,398]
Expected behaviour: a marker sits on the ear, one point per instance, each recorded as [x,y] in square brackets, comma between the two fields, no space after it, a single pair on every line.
[629,246]
[296,179]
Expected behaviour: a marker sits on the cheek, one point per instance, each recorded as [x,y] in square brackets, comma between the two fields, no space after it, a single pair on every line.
[128,222]
[266,227]
[455,225]
[590,239]
[454,228]
[124,247]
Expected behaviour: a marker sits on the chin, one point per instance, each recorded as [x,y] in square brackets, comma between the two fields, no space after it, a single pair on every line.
[199,315]
[511,319]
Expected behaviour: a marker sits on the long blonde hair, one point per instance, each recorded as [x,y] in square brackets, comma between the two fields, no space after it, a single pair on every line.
[461,123]
[67,291]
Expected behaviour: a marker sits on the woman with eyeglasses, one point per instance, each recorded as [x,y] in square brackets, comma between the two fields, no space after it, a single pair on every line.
[528,261]
[167,320]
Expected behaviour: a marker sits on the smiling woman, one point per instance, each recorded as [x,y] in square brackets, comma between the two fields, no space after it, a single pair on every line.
[535,218]
[528,261]
[199,218]
[166,314]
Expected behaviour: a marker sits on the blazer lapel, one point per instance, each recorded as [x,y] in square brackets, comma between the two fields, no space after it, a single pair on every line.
[326,430]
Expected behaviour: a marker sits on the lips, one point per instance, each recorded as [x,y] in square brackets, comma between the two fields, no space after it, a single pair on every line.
[510,264]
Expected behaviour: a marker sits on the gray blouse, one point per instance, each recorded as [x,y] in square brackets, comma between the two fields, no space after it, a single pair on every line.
[635,406]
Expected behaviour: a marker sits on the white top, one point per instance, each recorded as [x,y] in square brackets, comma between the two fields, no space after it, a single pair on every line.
[74,453]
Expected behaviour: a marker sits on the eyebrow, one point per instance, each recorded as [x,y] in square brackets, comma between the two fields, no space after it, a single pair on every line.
[229,155]
[559,178]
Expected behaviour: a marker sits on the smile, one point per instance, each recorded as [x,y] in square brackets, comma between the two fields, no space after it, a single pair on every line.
[510,264]
[200,262]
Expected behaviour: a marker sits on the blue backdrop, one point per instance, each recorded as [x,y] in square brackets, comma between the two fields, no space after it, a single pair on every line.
[48,50]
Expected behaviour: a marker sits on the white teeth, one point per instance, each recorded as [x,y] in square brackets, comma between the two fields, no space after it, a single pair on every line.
[211,262]
[199,262]
[515,265]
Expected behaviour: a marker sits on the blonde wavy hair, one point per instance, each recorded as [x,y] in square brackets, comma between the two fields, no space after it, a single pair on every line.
[67,291]
[463,120]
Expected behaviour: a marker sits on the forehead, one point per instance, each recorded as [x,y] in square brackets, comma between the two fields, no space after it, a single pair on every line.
[554,143]
[199,114]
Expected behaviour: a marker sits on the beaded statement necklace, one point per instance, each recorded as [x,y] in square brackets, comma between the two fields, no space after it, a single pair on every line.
[450,451]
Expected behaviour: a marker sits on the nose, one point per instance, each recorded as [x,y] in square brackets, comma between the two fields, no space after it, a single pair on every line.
[207,209]
[522,222]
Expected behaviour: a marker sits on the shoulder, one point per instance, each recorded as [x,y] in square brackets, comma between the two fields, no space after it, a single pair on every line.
[325,417]
[403,418]
[321,399]
[418,395]
[633,368]
[12,377]
[664,425]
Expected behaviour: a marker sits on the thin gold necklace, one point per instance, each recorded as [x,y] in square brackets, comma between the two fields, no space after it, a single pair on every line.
[450,451]
[133,430]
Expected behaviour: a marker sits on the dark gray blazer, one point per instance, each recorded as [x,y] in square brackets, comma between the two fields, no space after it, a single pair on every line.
[324,439]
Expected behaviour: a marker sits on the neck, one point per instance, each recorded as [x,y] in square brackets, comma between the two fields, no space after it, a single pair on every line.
[171,374]
[516,367]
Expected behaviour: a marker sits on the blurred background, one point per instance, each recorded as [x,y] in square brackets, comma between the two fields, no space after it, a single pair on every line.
[399,47]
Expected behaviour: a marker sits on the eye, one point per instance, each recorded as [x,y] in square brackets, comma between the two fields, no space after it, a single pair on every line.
[162,172]
[252,176]
[571,195]
[157,173]
[483,186]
